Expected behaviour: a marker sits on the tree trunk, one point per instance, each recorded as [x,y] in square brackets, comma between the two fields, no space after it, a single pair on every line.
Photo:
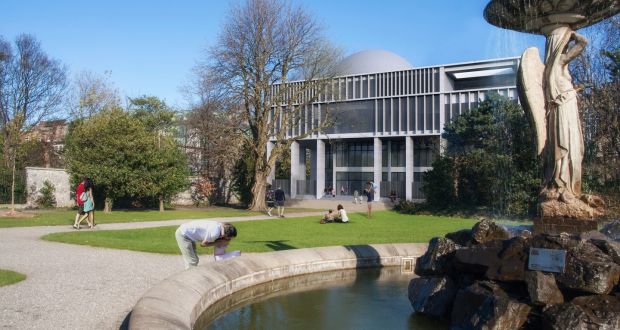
[161,203]
[258,192]
[13,188]
[107,207]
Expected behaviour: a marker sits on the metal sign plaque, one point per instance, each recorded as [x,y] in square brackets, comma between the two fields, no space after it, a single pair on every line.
[547,260]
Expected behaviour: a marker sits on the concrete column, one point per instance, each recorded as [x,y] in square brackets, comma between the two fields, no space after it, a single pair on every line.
[377,165]
[294,168]
[272,173]
[409,167]
[320,168]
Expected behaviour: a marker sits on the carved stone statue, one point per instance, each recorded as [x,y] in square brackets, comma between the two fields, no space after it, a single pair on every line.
[548,96]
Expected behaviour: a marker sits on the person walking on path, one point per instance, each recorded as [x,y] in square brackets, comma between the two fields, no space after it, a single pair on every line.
[280,198]
[371,190]
[78,194]
[270,199]
[88,205]
[206,233]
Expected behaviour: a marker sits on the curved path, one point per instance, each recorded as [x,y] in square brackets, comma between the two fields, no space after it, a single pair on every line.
[80,287]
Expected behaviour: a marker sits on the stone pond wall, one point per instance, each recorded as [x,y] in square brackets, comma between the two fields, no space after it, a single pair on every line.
[179,301]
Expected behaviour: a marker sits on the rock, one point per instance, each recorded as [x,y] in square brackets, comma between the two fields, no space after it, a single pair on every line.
[462,237]
[589,270]
[542,288]
[587,312]
[469,299]
[432,296]
[499,313]
[612,230]
[486,231]
[495,260]
[437,258]
[477,259]
[609,247]
[575,209]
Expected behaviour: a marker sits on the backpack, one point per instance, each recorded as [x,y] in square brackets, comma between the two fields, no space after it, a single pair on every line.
[84,197]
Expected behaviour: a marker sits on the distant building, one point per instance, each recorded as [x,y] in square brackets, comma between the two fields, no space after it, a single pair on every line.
[389,118]
[52,136]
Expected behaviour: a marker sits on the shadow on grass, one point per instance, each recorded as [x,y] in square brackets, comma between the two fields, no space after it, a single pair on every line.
[276,245]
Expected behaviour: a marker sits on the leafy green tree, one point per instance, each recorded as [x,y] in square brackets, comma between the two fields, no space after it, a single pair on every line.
[490,160]
[159,120]
[123,158]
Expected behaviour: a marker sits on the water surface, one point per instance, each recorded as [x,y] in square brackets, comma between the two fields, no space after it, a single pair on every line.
[350,299]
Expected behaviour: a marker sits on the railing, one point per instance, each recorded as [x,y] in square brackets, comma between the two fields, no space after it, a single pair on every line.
[417,192]
[346,188]
[283,184]
[306,187]
[387,187]
[21,190]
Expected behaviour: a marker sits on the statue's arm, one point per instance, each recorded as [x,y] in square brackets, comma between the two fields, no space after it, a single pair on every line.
[573,51]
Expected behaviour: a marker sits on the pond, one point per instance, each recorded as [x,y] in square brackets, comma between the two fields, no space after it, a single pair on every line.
[371,298]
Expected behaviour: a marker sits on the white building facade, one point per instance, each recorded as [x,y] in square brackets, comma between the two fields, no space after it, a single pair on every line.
[388,118]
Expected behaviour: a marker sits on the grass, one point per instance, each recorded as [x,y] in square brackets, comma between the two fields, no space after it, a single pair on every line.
[283,234]
[8,277]
[66,217]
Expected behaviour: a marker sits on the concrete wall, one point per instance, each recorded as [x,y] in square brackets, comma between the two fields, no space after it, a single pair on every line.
[36,176]
[178,301]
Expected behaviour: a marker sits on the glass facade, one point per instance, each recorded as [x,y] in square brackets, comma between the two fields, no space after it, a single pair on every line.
[354,154]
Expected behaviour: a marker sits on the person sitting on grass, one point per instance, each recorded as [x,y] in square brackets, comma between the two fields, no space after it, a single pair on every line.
[341,215]
[329,216]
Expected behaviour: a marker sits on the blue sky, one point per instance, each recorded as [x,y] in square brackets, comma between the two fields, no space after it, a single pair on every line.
[150,46]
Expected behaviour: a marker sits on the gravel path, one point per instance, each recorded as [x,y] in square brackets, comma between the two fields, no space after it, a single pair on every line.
[80,287]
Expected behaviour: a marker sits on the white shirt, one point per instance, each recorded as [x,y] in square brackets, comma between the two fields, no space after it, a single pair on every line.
[343,215]
[200,230]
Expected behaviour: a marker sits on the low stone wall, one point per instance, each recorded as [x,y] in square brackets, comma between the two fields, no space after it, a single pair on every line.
[178,301]
[36,176]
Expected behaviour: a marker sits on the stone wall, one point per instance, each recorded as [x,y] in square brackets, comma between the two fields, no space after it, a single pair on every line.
[36,176]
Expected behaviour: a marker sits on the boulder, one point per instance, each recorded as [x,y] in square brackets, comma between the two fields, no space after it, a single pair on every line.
[462,237]
[612,230]
[469,299]
[432,296]
[587,312]
[588,270]
[542,288]
[499,313]
[495,260]
[437,258]
[609,247]
[477,259]
[486,231]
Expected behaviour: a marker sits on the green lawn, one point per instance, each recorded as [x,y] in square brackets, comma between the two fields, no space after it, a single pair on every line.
[283,234]
[8,277]
[66,217]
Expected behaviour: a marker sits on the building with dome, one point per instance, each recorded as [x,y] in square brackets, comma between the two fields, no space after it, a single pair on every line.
[388,118]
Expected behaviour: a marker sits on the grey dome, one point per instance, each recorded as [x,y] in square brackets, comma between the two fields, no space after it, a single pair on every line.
[372,61]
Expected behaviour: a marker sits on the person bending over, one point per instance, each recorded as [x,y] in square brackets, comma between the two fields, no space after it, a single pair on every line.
[206,233]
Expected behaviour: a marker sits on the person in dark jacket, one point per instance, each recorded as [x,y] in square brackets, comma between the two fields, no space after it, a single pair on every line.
[280,198]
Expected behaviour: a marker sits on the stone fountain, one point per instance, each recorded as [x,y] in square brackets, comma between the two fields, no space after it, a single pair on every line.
[550,101]
[566,275]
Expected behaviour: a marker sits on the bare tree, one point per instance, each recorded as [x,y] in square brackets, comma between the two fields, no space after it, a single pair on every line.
[597,71]
[32,87]
[91,93]
[273,60]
